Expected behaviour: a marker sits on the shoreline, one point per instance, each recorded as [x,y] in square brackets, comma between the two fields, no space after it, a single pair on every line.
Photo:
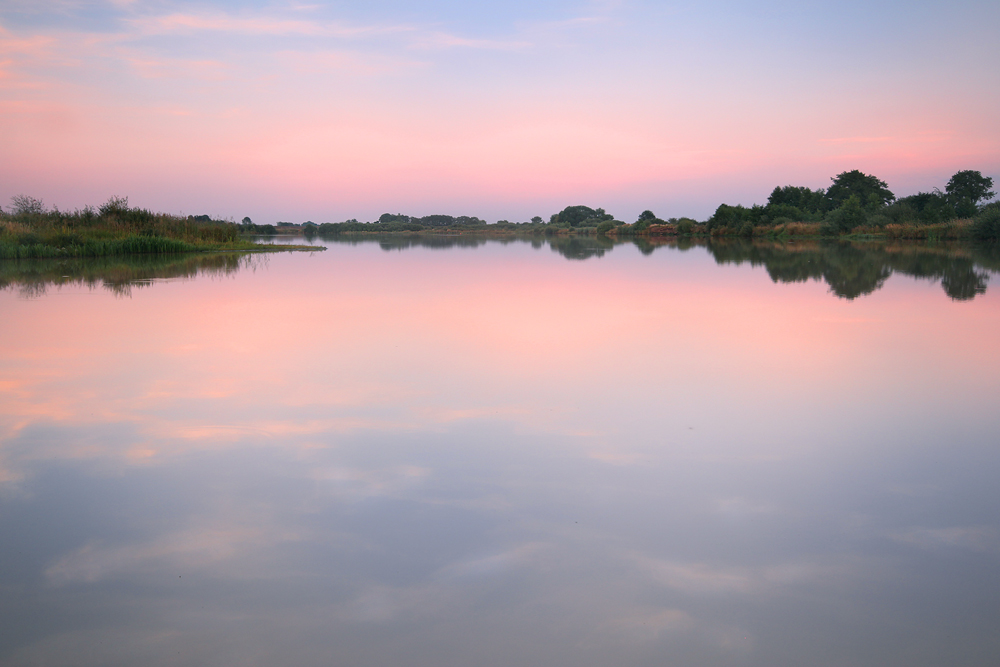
[135,245]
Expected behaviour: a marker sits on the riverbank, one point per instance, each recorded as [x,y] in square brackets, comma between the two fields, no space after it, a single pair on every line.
[115,230]
[132,245]
[954,230]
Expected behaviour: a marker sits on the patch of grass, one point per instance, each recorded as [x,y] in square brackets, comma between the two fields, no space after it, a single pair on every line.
[84,247]
[115,230]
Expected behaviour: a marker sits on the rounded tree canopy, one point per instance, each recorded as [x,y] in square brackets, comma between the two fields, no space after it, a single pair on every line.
[866,187]
[969,186]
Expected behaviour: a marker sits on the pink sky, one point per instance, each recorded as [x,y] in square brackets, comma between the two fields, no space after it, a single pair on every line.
[287,112]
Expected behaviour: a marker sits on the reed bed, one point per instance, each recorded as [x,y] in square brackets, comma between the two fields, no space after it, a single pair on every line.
[113,230]
[134,245]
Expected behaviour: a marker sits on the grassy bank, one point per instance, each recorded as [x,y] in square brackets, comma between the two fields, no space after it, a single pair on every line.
[116,230]
[952,230]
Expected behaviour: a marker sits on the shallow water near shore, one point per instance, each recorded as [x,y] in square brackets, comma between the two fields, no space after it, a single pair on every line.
[456,451]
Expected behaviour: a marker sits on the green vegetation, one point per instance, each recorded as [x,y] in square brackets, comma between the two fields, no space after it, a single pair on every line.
[855,205]
[580,217]
[398,222]
[966,190]
[29,231]
[859,204]
[986,225]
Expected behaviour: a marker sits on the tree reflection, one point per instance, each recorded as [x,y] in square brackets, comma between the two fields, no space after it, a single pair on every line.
[581,247]
[852,269]
[964,282]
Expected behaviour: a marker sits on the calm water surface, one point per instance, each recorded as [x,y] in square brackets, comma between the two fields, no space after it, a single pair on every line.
[403,454]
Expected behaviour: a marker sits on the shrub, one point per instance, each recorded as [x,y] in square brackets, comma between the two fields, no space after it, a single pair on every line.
[850,215]
[114,206]
[26,205]
[986,225]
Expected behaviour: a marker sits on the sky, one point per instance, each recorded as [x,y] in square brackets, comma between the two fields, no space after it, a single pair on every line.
[326,111]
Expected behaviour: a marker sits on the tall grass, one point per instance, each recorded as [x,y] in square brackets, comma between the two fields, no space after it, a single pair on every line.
[113,230]
[133,245]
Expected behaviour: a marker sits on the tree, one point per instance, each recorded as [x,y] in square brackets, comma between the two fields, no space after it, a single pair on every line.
[247,220]
[927,207]
[732,217]
[966,189]
[26,205]
[577,216]
[802,198]
[847,217]
[646,218]
[868,189]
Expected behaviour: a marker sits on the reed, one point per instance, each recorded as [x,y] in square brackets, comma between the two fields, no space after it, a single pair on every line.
[113,230]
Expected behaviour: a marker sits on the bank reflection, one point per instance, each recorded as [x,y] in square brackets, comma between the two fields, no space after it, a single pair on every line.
[857,269]
[119,275]
[851,269]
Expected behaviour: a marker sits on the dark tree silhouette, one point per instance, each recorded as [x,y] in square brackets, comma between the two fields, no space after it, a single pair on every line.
[867,188]
[966,189]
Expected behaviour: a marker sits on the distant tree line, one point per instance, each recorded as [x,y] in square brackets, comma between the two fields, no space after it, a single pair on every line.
[397,222]
[855,201]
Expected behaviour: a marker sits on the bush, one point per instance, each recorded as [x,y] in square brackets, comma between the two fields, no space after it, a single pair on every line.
[901,212]
[114,206]
[605,226]
[850,215]
[579,216]
[25,205]
[986,225]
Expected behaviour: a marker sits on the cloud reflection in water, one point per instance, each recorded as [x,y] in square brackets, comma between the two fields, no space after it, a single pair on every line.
[490,455]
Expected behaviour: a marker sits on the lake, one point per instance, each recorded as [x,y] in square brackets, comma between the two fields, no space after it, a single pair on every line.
[451,451]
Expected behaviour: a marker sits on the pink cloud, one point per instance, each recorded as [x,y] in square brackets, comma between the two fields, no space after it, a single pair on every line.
[261,25]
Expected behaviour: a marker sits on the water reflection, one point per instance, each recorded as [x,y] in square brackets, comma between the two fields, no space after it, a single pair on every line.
[119,275]
[850,269]
[853,269]
[489,455]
